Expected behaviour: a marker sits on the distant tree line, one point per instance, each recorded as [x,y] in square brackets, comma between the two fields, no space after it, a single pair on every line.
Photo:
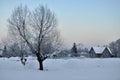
[18,49]
[115,47]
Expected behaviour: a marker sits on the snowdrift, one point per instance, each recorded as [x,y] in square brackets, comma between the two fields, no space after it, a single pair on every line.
[61,69]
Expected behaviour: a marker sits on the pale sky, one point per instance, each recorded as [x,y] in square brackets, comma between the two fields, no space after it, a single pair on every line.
[91,22]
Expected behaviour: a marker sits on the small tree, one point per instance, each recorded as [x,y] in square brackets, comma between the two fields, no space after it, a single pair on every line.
[74,50]
[5,54]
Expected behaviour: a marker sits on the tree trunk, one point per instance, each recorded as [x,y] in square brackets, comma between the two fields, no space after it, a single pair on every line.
[40,65]
[40,61]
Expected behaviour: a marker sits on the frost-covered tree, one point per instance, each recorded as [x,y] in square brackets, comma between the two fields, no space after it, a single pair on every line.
[14,46]
[115,47]
[34,28]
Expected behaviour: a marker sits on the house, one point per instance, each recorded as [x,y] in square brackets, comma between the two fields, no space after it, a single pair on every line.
[84,54]
[60,54]
[100,52]
[1,51]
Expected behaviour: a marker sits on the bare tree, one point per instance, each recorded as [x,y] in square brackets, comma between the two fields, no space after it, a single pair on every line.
[52,43]
[33,27]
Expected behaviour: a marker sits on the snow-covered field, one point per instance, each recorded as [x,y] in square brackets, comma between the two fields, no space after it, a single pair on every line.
[61,69]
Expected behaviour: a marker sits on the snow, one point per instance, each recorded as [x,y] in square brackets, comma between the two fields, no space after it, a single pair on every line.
[61,69]
[110,51]
[98,49]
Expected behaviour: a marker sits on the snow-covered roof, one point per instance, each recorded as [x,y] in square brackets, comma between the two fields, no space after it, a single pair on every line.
[98,50]
[109,50]
[55,53]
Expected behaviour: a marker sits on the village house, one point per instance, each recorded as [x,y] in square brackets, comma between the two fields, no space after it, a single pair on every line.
[1,52]
[97,52]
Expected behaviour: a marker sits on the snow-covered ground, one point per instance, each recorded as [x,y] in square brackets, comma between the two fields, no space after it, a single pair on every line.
[61,69]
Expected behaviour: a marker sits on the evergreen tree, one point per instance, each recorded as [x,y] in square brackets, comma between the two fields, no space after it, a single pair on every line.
[74,50]
[5,52]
